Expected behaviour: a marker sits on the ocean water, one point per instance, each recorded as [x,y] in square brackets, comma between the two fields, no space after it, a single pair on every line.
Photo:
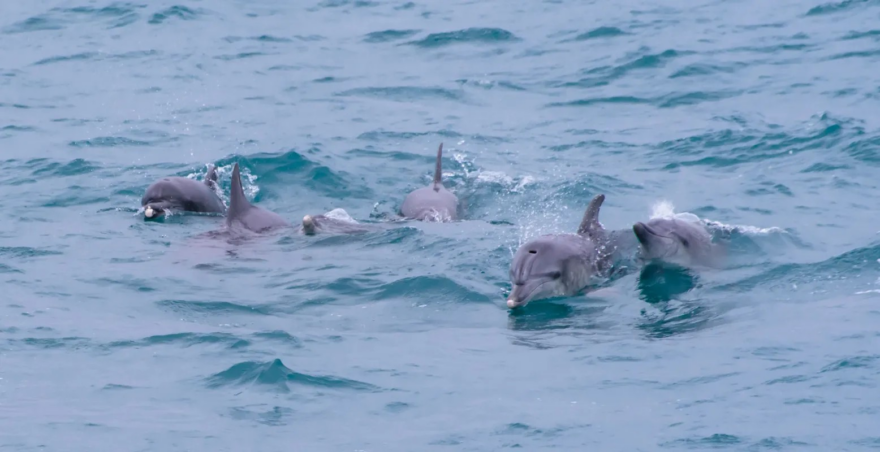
[758,117]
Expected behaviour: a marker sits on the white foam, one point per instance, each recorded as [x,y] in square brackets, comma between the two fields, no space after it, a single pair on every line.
[340,214]
[666,209]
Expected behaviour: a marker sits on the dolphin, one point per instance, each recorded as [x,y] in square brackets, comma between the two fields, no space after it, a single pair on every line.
[677,241]
[244,215]
[559,265]
[431,203]
[182,194]
[336,220]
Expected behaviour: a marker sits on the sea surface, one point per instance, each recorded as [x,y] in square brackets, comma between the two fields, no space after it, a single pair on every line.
[762,118]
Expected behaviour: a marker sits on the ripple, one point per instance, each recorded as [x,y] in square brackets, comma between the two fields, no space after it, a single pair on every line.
[176,12]
[601,32]
[862,34]
[276,377]
[240,56]
[108,142]
[115,15]
[184,340]
[60,59]
[389,35]
[836,7]
[24,252]
[272,417]
[405,93]
[435,288]
[466,36]
[858,261]
[851,363]
[210,307]
[604,75]
[713,441]
[701,69]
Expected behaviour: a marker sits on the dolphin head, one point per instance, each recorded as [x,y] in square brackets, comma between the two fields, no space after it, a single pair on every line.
[670,239]
[549,266]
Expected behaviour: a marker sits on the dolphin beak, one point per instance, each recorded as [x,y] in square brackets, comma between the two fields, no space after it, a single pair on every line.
[642,232]
[516,298]
[308,224]
[149,212]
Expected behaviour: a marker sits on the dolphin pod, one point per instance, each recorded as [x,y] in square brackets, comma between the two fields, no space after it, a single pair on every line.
[548,266]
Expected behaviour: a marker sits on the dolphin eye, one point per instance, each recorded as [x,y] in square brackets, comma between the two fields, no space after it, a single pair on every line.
[556,275]
[685,243]
[533,252]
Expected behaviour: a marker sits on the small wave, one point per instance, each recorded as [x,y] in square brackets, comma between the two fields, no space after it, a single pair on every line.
[340,3]
[107,142]
[119,15]
[210,307]
[601,32]
[380,135]
[24,252]
[404,93]
[836,7]
[388,35]
[183,340]
[240,56]
[862,34]
[702,69]
[174,12]
[601,100]
[434,288]
[276,376]
[466,36]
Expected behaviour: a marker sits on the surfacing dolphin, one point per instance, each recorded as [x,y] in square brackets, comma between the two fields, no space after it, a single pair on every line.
[334,221]
[677,241]
[244,215]
[183,194]
[559,265]
[434,202]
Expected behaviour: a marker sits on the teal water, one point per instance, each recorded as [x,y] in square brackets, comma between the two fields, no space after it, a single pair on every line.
[119,334]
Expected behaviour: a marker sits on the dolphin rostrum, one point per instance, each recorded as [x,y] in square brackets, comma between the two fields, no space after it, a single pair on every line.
[559,265]
[183,194]
[434,202]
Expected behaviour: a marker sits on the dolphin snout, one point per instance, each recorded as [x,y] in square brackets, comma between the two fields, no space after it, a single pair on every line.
[642,231]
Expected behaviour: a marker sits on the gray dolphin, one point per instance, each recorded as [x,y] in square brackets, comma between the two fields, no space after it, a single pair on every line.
[431,203]
[558,265]
[677,241]
[244,215]
[182,194]
[334,221]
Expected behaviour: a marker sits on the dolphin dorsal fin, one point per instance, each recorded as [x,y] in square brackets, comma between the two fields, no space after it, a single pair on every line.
[211,176]
[238,203]
[590,226]
[438,169]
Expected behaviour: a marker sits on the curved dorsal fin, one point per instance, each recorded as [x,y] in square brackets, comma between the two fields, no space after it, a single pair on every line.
[590,225]
[238,203]
[438,169]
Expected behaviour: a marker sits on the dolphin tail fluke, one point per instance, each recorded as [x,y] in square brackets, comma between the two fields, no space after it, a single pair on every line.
[590,225]
[238,203]
[438,169]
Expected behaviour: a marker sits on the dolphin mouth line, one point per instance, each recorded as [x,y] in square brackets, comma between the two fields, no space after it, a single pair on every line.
[518,304]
